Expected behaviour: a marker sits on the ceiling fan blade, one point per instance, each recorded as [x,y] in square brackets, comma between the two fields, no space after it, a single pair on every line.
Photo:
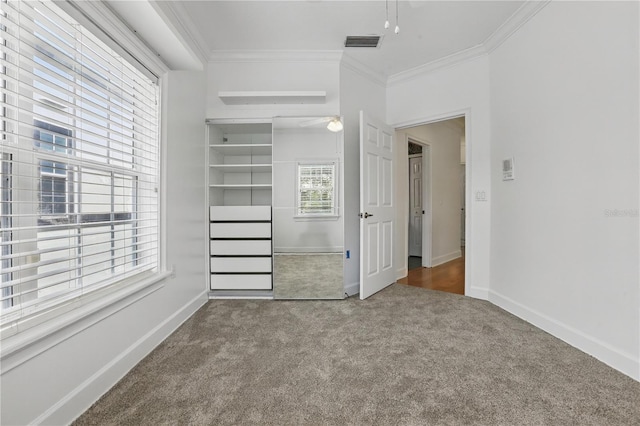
[315,121]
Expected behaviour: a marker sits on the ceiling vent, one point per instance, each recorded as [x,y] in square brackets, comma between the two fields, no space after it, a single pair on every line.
[362,41]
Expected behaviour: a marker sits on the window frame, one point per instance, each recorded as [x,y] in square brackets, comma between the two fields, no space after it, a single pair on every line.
[100,301]
[320,162]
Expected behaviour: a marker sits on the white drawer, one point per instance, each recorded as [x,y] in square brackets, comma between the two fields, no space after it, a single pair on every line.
[240,247]
[240,264]
[240,213]
[240,282]
[240,230]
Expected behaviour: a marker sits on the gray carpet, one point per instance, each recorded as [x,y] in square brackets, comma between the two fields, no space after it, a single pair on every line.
[406,356]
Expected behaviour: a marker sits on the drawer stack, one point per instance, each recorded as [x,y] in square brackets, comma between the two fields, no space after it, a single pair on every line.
[240,247]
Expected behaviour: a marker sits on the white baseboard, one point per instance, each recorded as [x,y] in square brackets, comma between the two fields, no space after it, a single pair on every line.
[401,273]
[613,357]
[439,260]
[82,397]
[477,293]
[352,289]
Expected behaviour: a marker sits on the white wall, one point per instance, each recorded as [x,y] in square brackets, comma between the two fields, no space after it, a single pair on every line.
[57,385]
[272,74]
[564,104]
[446,188]
[357,92]
[456,90]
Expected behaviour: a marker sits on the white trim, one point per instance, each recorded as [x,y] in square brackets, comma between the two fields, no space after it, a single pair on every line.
[83,396]
[438,64]
[432,119]
[439,260]
[175,14]
[363,71]
[613,357]
[270,56]
[469,289]
[27,344]
[402,272]
[520,17]
[218,121]
[105,24]
[477,293]
[352,289]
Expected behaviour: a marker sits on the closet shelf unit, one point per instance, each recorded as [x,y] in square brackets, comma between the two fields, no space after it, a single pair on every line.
[239,181]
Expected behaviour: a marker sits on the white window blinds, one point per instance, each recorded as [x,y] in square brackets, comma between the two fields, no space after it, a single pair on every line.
[79,162]
[316,189]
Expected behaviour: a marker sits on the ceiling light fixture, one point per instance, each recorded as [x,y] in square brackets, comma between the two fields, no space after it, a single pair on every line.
[386,5]
[386,22]
[335,124]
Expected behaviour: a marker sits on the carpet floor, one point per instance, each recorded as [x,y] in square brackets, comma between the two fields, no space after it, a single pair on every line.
[405,356]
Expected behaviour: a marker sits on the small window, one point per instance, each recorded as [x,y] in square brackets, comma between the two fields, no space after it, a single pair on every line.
[316,195]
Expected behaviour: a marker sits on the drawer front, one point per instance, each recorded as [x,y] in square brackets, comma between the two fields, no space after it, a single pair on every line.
[240,282]
[241,264]
[240,213]
[240,247]
[240,230]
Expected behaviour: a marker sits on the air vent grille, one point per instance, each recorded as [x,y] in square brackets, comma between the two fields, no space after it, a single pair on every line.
[362,41]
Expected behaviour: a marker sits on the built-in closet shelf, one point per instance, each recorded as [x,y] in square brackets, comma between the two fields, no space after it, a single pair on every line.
[242,168]
[274,97]
[241,185]
[243,149]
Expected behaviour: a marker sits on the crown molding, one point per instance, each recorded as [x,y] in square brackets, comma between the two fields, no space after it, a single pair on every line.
[270,56]
[520,17]
[362,70]
[175,14]
[438,64]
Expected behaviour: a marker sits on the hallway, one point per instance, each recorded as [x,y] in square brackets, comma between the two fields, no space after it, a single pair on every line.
[447,277]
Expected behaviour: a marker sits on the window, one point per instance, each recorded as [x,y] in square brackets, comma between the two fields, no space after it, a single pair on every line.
[316,189]
[78,161]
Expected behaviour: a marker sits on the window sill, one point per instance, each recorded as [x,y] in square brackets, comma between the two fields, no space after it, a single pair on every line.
[318,217]
[22,346]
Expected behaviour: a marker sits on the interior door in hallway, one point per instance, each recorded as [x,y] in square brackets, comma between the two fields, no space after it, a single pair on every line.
[377,209]
[415,205]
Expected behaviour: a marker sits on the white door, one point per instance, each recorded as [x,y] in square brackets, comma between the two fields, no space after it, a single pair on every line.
[377,208]
[415,205]
[426,206]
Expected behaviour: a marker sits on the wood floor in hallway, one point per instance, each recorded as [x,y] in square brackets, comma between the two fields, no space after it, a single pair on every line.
[447,277]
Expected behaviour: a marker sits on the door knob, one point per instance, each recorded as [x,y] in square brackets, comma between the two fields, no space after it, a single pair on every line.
[366,215]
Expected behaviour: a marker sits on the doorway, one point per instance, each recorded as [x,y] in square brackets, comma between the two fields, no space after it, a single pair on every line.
[436,163]
[419,219]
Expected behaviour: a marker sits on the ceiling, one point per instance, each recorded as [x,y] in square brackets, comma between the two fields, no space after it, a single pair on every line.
[429,30]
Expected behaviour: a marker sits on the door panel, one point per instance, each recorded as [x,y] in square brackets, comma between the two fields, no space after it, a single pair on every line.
[377,269]
[415,206]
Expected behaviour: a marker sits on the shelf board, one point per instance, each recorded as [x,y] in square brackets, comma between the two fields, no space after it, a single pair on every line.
[243,149]
[274,97]
[242,168]
[241,186]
